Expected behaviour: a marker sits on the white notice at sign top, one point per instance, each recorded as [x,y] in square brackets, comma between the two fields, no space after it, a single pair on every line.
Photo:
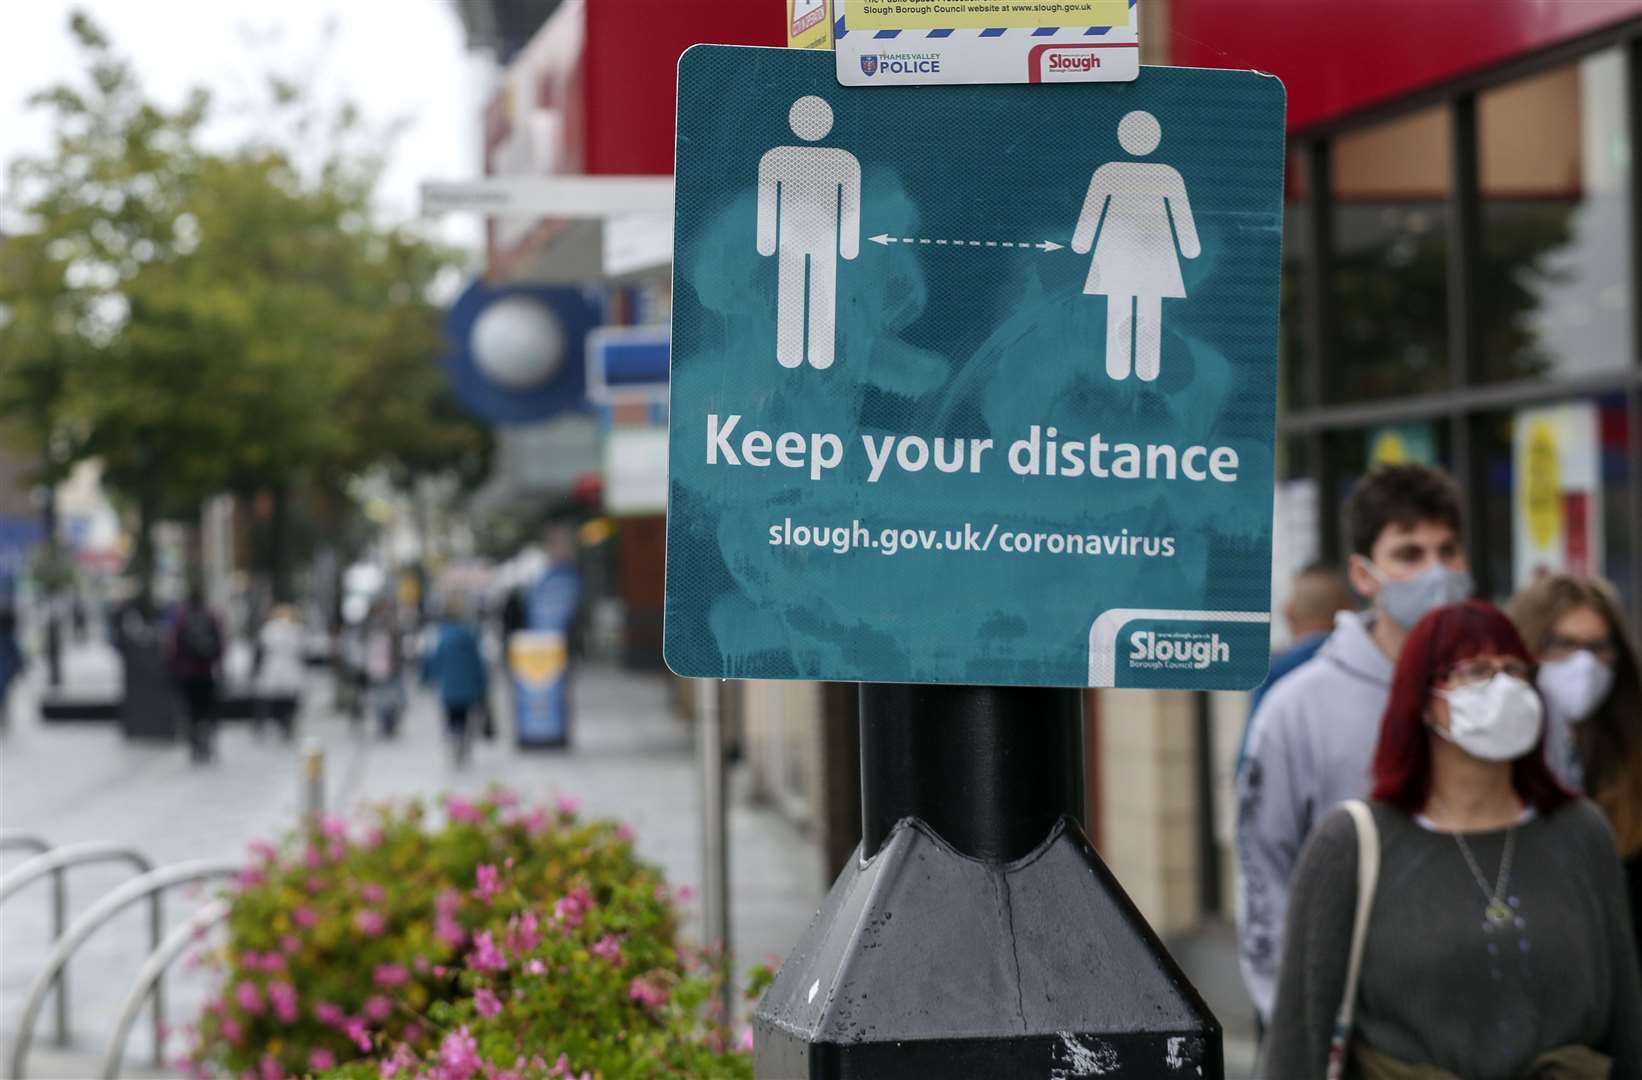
[947,42]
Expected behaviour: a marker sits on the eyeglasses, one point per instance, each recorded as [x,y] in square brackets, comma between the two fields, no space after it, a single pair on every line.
[1481,669]
[1557,647]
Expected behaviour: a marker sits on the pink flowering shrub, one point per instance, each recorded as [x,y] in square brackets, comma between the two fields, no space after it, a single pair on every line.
[503,943]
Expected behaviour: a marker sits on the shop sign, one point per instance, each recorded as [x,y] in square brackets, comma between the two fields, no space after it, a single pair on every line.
[635,470]
[1402,444]
[537,661]
[1557,497]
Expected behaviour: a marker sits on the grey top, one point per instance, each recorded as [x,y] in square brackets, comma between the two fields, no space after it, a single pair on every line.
[1437,988]
[1310,746]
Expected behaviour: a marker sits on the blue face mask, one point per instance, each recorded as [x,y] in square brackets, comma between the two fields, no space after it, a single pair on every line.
[1406,602]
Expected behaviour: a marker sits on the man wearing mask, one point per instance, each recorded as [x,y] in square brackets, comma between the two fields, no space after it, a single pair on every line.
[1311,741]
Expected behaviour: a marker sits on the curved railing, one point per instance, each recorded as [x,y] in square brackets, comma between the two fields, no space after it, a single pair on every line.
[149,978]
[57,859]
[56,862]
[9,839]
[12,839]
[149,886]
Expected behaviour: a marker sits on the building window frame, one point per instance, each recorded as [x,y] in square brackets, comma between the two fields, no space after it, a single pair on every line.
[1462,400]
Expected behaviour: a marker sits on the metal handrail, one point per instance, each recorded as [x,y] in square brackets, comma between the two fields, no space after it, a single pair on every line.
[68,855]
[55,861]
[153,970]
[149,884]
[10,838]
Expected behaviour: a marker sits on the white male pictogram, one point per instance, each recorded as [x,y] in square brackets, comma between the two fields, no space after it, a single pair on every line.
[809,213]
[1136,266]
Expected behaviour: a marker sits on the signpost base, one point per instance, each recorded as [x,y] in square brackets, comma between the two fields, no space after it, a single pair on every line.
[976,932]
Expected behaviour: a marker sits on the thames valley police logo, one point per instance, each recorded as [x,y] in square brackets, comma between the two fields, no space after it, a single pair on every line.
[869,64]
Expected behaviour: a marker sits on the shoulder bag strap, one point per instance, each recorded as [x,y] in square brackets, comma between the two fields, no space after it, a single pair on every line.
[1368,873]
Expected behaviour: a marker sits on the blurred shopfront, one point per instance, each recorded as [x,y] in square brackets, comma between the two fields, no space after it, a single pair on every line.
[1462,250]
[1460,288]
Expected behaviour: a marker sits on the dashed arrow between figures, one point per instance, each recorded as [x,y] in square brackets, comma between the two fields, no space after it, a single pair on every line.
[886,239]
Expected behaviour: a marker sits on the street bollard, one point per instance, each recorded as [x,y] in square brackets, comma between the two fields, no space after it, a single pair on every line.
[313,780]
[977,933]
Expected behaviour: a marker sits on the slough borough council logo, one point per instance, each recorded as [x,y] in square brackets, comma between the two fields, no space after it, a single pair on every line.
[1175,651]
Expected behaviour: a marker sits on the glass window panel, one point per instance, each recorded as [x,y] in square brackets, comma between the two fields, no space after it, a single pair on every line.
[1354,452]
[1490,541]
[1347,461]
[1618,456]
[1391,184]
[1555,285]
[1417,442]
[1293,457]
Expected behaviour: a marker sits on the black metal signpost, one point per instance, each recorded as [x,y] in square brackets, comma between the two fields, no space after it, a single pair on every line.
[977,933]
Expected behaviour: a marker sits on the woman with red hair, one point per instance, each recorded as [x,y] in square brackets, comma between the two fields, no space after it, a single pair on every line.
[1495,942]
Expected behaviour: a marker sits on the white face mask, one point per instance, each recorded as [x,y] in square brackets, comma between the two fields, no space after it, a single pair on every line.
[1498,720]
[1575,685]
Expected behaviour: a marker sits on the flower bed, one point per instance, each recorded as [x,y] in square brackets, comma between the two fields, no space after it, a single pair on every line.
[500,944]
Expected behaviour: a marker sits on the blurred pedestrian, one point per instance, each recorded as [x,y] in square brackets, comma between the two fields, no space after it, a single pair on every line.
[512,616]
[194,652]
[1311,740]
[350,669]
[384,668]
[456,667]
[1319,594]
[1495,940]
[11,654]
[1590,675]
[130,618]
[279,670]
[77,617]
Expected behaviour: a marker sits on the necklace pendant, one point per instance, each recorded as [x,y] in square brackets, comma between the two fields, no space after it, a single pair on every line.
[1498,913]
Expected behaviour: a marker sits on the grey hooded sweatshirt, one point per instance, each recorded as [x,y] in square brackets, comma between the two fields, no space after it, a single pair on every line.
[1310,746]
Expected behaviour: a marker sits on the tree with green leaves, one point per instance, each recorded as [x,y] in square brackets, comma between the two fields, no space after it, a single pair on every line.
[204,321]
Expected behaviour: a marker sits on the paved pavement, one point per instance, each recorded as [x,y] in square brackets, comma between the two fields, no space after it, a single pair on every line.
[1208,956]
[632,760]
[69,783]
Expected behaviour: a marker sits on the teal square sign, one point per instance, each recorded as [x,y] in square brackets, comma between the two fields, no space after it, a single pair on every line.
[972,384]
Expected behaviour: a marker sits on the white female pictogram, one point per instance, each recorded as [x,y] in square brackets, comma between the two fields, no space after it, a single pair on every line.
[809,213]
[1136,265]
